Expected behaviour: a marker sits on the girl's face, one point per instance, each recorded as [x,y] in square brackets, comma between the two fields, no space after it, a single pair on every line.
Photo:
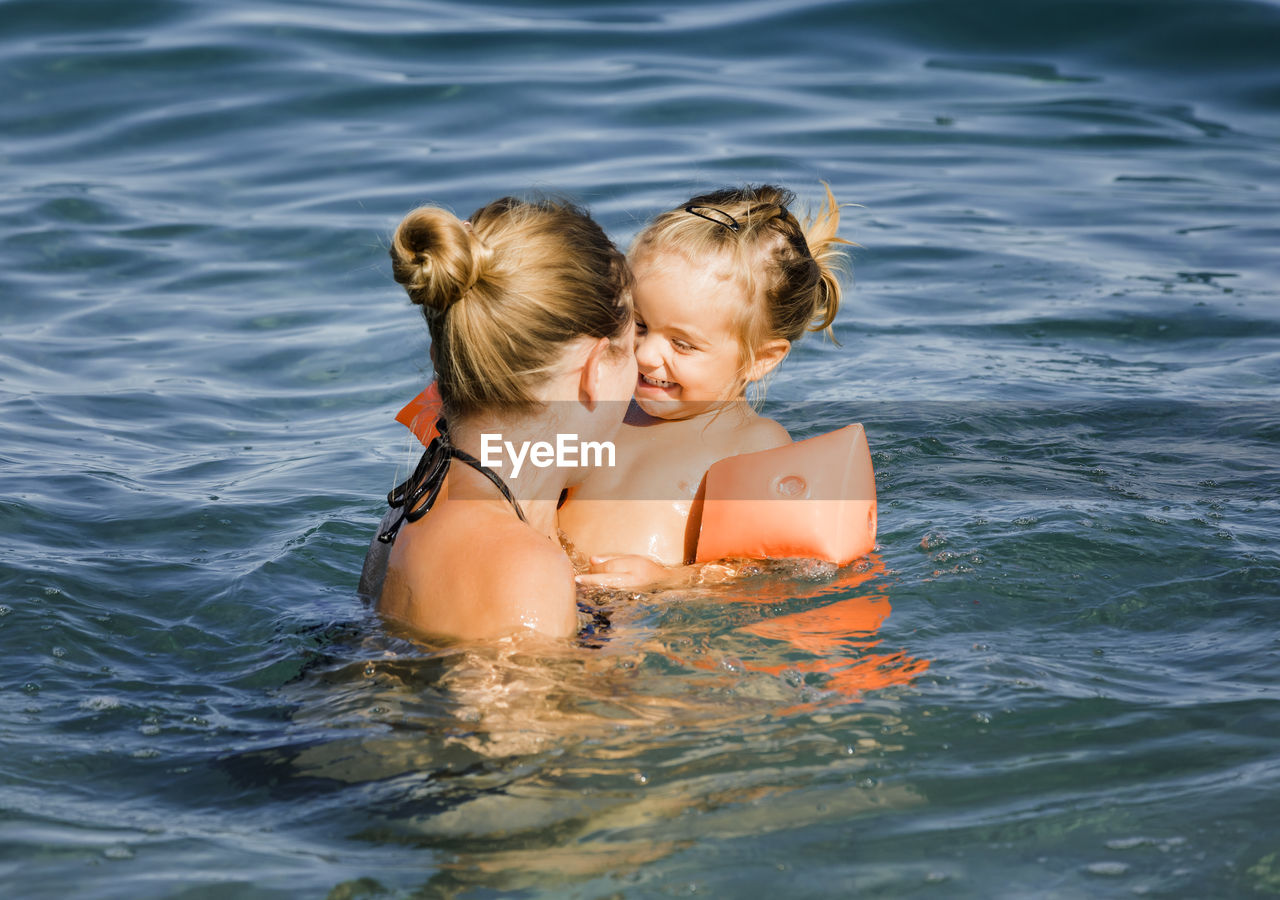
[689,358]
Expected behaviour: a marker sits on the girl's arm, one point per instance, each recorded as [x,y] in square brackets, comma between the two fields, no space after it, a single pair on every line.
[640,573]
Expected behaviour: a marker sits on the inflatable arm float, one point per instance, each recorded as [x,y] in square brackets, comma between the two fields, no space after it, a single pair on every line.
[814,499]
[419,414]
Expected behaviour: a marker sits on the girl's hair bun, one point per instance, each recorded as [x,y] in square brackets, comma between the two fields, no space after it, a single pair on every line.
[436,257]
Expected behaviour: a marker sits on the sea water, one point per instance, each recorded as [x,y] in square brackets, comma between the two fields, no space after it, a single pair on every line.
[1059,673]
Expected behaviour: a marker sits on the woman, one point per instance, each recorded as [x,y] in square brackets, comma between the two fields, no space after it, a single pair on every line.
[529,311]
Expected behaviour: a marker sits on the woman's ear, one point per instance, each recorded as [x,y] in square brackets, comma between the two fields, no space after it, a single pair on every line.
[768,356]
[590,380]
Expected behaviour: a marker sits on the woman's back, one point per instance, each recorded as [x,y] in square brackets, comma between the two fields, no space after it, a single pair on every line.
[442,578]
[529,311]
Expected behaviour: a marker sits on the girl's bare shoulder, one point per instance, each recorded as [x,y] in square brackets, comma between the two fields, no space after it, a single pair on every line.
[761,433]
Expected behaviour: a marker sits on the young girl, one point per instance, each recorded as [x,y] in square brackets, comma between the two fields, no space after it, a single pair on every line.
[724,284]
[529,311]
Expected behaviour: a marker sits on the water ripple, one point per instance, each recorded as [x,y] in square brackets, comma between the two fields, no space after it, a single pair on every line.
[1058,671]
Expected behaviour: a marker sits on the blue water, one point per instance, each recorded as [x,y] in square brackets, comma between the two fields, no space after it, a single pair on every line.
[1058,676]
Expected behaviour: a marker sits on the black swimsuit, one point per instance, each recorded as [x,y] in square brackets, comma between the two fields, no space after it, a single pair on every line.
[418,493]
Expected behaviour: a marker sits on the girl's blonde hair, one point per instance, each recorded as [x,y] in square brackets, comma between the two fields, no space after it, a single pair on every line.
[787,270]
[504,292]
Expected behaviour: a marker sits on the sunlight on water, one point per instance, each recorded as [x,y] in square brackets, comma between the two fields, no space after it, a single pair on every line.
[1057,674]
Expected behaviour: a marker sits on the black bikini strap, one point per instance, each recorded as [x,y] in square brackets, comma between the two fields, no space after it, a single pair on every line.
[420,490]
[493,476]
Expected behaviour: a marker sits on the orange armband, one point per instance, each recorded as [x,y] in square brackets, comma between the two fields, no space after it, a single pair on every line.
[813,499]
[419,414]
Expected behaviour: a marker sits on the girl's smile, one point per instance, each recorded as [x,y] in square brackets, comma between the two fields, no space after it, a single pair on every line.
[688,355]
[648,387]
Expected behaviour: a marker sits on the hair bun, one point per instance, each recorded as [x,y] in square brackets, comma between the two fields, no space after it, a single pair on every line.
[436,257]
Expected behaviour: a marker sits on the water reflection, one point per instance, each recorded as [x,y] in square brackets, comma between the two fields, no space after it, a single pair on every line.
[827,646]
[725,712]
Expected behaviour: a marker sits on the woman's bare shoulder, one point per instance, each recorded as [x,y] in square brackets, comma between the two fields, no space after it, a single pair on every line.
[479,577]
[529,581]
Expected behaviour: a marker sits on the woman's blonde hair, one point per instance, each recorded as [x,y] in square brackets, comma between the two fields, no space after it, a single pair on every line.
[787,270]
[503,293]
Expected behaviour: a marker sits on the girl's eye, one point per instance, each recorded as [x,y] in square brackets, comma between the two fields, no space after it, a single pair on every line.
[640,328]
[681,345]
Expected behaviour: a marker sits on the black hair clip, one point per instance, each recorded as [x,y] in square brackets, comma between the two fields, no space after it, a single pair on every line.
[720,217]
[714,214]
